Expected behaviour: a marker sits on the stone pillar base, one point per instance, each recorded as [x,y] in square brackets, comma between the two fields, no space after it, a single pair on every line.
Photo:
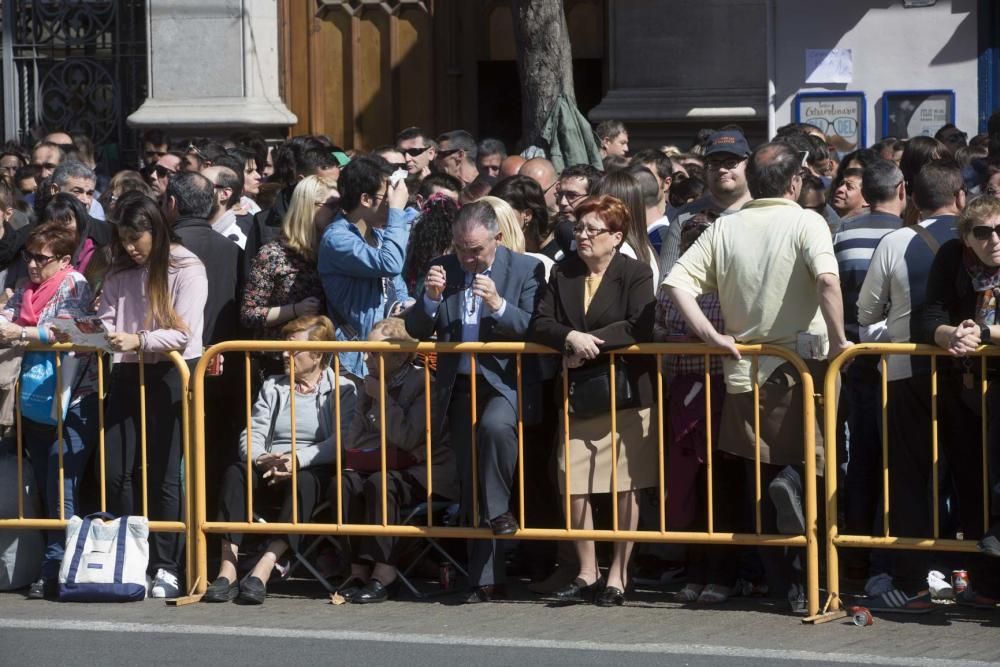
[212,113]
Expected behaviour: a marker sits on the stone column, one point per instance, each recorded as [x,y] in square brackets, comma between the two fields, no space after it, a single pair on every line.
[213,66]
[681,65]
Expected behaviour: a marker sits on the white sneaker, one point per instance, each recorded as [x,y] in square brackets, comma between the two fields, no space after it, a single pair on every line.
[165,585]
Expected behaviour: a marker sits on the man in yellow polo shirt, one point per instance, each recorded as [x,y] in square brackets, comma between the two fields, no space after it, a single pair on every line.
[773,265]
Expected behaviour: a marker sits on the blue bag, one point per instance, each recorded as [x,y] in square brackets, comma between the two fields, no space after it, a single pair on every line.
[38,385]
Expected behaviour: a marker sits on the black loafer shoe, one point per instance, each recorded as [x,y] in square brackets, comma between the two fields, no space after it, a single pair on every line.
[351,587]
[43,589]
[610,597]
[252,591]
[373,592]
[505,524]
[577,591]
[221,590]
[486,594]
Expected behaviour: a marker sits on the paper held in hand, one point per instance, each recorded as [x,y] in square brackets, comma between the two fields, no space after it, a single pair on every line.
[86,332]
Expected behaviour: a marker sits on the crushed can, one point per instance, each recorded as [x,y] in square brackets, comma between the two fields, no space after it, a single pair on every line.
[446,576]
[861,616]
[959,581]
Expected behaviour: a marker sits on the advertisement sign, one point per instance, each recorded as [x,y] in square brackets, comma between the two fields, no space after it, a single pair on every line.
[840,116]
[916,113]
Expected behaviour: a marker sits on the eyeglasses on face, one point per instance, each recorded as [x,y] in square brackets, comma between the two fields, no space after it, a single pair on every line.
[728,163]
[592,232]
[163,172]
[397,165]
[984,232]
[40,261]
[414,152]
[570,196]
[444,154]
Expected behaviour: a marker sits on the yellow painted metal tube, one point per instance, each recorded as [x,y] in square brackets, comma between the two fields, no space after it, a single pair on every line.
[142,435]
[60,436]
[614,448]
[486,533]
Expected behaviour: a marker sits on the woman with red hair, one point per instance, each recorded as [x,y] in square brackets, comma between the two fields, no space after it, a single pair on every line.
[597,301]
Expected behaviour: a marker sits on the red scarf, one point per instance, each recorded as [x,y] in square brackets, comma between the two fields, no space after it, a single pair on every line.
[36,297]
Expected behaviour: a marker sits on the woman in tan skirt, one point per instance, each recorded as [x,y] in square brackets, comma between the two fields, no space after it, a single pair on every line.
[597,301]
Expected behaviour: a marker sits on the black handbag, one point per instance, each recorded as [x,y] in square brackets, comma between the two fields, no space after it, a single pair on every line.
[590,391]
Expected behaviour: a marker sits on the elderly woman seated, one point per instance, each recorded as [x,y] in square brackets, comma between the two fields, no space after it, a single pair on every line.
[373,570]
[270,443]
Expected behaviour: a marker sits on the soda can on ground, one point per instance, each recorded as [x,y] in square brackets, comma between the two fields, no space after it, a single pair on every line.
[861,616]
[959,581]
[446,576]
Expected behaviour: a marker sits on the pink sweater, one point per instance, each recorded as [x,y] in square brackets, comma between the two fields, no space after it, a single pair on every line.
[125,307]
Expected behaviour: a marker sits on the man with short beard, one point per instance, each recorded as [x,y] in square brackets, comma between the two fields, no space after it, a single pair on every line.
[725,175]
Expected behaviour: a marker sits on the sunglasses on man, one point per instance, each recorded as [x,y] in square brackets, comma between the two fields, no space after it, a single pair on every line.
[163,172]
[415,152]
[444,154]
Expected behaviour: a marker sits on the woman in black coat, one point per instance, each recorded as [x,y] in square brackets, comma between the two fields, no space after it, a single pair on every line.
[597,301]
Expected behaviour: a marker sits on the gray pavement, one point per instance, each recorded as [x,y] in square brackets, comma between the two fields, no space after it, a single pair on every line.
[306,629]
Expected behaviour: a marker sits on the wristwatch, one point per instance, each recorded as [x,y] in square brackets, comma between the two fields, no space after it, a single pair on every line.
[23,337]
[984,334]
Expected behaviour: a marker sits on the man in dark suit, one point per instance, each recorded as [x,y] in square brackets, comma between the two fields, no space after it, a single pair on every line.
[483,292]
[186,205]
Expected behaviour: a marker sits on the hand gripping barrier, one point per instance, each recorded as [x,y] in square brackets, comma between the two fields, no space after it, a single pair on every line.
[23,523]
[201,526]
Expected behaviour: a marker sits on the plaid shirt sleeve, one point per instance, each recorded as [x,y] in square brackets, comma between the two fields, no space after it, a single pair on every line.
[671,324]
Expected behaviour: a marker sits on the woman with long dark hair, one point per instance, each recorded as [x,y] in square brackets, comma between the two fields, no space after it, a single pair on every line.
[153,303]
[622,186]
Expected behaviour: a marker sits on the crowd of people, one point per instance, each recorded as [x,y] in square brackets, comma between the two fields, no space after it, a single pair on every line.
[448,238]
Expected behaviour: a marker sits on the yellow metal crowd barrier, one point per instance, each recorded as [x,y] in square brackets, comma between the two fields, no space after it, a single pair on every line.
[23,523]
[835,539]
[201,526]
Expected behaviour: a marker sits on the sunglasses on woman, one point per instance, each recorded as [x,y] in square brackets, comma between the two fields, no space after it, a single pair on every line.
[40,261]
[984,232]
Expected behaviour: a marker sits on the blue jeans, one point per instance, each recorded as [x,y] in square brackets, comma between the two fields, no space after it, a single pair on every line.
[42,445]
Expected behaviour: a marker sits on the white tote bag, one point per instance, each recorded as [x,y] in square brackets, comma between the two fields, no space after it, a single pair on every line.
[105,559]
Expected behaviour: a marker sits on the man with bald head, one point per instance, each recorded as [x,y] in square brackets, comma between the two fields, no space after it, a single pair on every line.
[61,139]
[542,172]
[46,156]
[511,165]
[228,188]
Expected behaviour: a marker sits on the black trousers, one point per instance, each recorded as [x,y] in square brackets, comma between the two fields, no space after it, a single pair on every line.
[496,459]
[163,453]
[272,503]
[718,563]
[362,504]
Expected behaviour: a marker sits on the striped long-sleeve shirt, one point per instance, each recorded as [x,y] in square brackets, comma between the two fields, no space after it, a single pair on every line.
[854,244]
